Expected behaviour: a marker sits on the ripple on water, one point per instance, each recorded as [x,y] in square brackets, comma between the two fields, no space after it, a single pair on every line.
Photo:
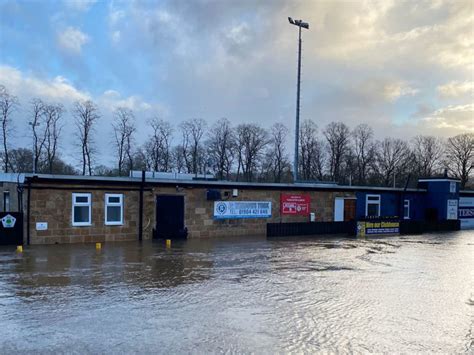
[402,295]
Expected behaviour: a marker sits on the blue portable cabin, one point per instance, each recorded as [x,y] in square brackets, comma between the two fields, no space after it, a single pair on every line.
[442,193]
[430,201]
[399,203]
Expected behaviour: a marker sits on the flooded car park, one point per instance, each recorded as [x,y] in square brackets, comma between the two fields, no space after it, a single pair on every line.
[399,294]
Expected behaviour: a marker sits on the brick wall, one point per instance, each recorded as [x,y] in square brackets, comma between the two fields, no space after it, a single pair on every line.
[201,224]
[55,207]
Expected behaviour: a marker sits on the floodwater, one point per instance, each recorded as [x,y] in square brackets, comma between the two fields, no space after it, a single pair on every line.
[397,294]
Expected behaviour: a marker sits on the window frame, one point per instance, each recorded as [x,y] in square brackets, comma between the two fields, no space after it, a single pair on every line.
[82,204]
[6,201]
[405,205]
[113,204]
[378,202]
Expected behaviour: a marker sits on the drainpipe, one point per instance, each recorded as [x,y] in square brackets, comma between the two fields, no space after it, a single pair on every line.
[28,208]
[140,212]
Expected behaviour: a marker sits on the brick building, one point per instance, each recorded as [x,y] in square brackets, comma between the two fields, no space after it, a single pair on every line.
[70,209]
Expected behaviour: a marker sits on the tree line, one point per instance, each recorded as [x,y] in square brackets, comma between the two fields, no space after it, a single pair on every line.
[244,152]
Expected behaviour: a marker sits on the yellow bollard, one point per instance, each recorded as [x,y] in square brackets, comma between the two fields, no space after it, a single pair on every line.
[98,246]
[168,243]
[19,249]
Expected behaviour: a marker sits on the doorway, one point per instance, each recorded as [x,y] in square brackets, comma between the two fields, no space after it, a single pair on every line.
[344,209]
[170,217]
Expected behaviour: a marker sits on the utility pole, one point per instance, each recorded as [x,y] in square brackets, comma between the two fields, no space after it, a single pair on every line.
[300,25]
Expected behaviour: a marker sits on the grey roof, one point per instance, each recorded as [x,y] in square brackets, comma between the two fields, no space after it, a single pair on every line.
[210,183]
[12,177]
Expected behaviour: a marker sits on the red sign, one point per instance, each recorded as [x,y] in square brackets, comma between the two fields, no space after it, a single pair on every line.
[295,204]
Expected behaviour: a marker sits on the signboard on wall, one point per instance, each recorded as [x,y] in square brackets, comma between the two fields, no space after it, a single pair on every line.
[295,204]
[242,209]
[452,211]
[377,228]
[466,212]
[452,187]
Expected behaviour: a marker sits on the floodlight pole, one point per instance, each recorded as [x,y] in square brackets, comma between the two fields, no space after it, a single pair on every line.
[297,128]
[300,24]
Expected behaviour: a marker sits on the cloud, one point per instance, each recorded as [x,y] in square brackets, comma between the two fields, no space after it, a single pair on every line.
[454,118]
[456,89]
[371,61]
[71,40]
[112,99]
[377,90]
[26,86]
[79,5]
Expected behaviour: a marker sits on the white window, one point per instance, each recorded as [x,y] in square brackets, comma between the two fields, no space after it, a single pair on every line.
[113,209]
[406,209]
[372,205]
[6,201]
[81,209]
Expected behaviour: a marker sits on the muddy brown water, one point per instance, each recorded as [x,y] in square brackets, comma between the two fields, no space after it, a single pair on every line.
[248,295]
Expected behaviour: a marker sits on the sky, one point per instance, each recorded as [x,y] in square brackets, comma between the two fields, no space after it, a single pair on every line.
[403,67]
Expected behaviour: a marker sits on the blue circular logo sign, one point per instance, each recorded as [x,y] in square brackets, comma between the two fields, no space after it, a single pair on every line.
[221,208]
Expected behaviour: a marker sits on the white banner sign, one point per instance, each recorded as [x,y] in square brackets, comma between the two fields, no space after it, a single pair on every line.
[242,209]
[452,209]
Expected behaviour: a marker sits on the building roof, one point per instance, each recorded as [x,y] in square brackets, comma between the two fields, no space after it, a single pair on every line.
[114,180]
[12,177]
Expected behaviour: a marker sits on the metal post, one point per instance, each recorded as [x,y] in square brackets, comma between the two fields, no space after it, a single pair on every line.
[140,208]
[34,153]
[28,214]
[297,128]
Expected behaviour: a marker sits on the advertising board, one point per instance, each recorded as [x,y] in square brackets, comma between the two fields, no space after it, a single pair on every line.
[295,204]
[452,209]
[242,209]
[365,228]
[466,212]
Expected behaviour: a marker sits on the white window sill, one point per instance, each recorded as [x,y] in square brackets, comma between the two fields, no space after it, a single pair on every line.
[82,224]
[114,223]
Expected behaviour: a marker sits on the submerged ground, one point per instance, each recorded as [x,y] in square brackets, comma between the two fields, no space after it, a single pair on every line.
[397,294]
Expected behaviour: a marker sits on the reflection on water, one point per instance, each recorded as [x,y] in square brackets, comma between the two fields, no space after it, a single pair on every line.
[404,294]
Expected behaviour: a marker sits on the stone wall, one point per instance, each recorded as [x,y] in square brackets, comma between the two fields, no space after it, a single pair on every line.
[201,224]
[54,206]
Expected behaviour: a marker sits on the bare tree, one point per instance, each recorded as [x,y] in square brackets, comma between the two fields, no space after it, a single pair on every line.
[337,135]
[277,161]
[251,140]
[220,148]
[192,132]
[460,156]
[20,160]
[37,111]
[427,154]
[178,159]
[86,115]
[392,159]
[158,146]
[124,128]
[363,151]
[311,152]
[8,103]
[53,114]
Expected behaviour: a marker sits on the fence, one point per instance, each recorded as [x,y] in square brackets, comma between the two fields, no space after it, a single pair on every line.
[420,227]
[310,228]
